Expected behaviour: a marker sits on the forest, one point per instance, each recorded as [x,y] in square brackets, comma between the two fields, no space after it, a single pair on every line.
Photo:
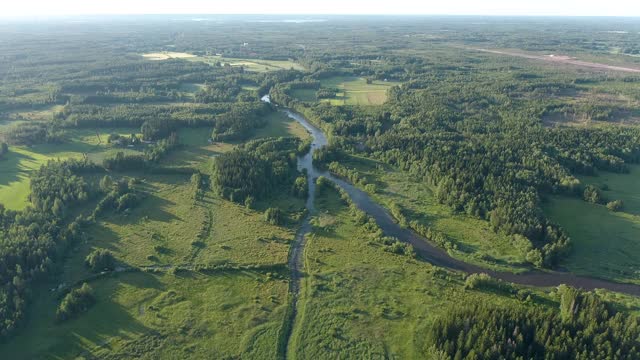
[154,203]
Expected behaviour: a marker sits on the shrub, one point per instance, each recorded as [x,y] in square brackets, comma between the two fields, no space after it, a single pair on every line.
[274,216]
[100,260]
[75,302]
[615,205]
[592,194]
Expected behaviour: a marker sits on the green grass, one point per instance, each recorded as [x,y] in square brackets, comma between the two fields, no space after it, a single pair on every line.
[21,160]
[356,91]
[360,302]
[161,316]
[476,242]
[254,65]
[198,151]
[605,244]
[304,94]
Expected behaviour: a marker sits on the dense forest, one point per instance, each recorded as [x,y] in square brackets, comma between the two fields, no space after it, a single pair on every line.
[583,327]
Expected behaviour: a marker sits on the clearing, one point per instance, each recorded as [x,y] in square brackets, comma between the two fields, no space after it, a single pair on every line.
[350,91]
[165,55]
[604,242]
[21,160]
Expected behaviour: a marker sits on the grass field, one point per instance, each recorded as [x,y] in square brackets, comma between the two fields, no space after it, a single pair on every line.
[356,91]
[161,316]
[476,242]
[304,94]
[15,169]
[604,242]
[198,151]
[21,160]
[360,302]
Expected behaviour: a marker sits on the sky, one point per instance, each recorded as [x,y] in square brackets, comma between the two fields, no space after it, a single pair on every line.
[47,8]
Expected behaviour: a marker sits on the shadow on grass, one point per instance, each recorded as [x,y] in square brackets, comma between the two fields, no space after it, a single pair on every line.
[12,168]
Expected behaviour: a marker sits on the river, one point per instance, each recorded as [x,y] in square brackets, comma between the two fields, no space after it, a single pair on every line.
[424,249]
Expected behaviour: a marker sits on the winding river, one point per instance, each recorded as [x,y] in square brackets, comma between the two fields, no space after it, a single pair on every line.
[423,248]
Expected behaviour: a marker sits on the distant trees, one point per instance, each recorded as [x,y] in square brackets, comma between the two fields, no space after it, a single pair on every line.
[75,302]
[100,260]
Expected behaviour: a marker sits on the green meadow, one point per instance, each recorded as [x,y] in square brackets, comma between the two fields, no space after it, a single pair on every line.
[604,242]
[21,160]
[350,91]
[160,316]
[361,302]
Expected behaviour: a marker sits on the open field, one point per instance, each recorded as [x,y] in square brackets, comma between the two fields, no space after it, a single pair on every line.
[160,316]
[254,65]
[165,55]
[475,241]
[351,91]
[21,160]
[604,242]
[198,151]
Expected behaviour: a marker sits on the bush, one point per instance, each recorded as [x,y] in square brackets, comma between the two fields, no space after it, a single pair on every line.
[274,216]
[615,205]
[100,260]
[593,195]
[75,302]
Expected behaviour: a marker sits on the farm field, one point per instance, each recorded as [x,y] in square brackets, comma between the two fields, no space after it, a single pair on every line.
[603,241]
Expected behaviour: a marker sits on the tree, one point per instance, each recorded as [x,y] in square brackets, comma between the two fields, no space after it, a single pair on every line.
[592,194]
[75,302]
[615,205]
[274,216]
[106,184]
[100,260]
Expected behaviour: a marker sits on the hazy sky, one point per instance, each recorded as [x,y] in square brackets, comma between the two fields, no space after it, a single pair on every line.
[39,8]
